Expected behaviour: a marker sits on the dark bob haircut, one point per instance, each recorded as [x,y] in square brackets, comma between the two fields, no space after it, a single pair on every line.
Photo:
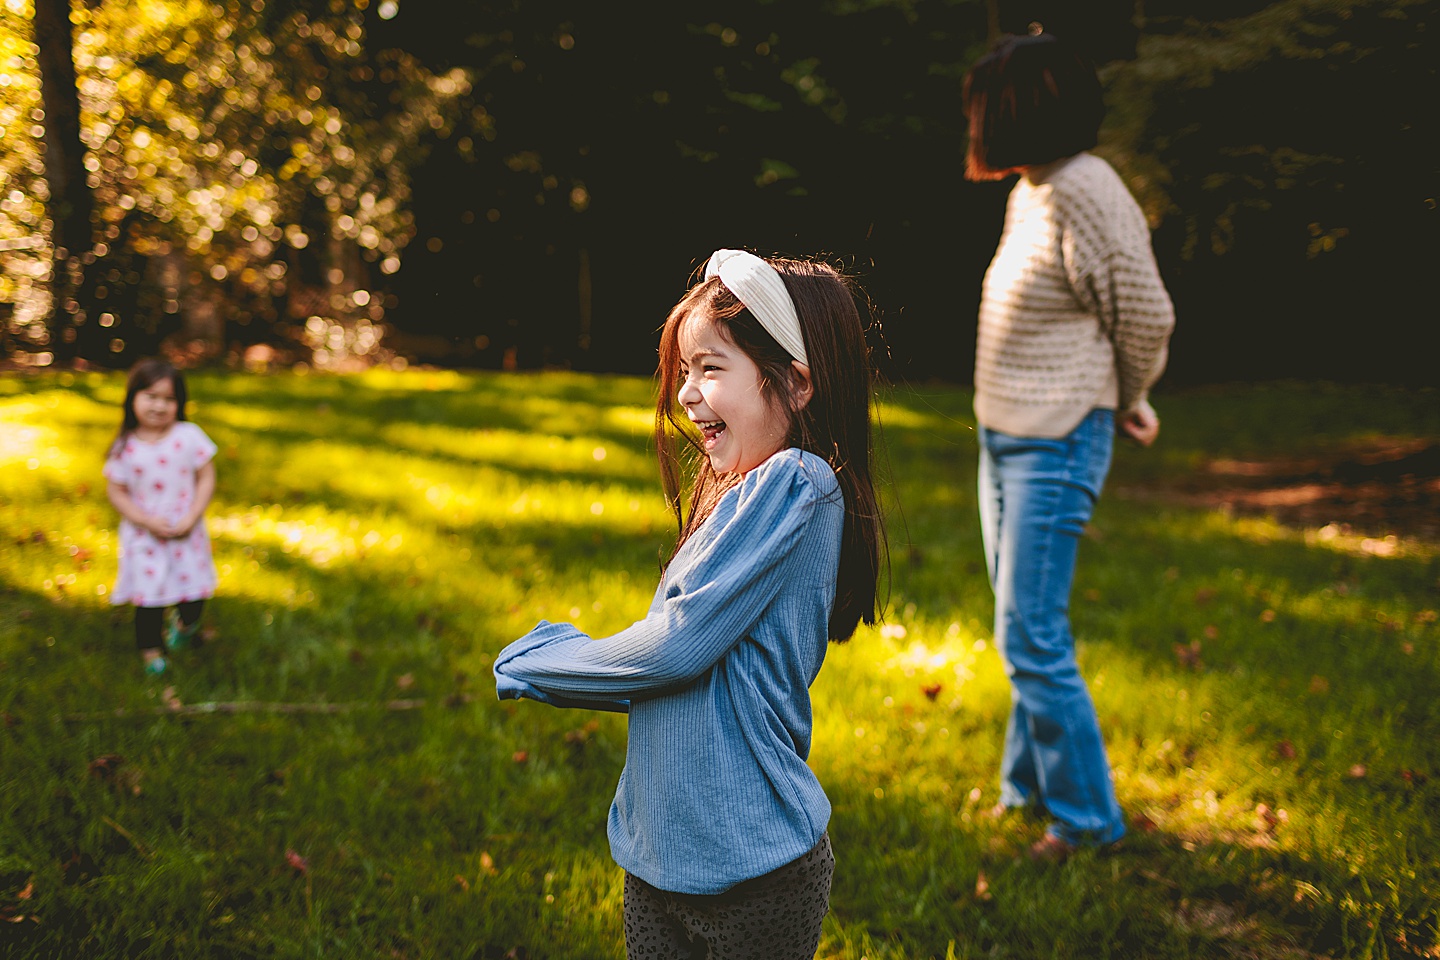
[144,375]
[1030,100]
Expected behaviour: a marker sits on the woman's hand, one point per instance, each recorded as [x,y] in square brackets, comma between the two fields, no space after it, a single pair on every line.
[1141,423]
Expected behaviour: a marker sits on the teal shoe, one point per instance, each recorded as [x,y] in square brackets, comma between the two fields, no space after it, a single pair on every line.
[178,636]
[155,667]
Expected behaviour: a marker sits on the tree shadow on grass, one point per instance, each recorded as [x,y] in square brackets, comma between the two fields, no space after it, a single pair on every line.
[1279,610]
[911,874]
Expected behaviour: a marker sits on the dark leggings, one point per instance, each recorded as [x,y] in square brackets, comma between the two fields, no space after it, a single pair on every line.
[774,917]
[148,621]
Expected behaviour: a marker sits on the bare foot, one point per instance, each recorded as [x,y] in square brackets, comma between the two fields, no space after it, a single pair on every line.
[997,812]
[1050,849]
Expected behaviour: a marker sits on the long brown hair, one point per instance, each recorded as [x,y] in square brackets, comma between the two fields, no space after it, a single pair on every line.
[834,425]
[144,375]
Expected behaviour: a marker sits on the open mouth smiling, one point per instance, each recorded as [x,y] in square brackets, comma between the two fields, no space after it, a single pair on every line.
[711,429]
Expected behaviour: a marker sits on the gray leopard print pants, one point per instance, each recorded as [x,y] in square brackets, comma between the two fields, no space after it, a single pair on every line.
[776,916]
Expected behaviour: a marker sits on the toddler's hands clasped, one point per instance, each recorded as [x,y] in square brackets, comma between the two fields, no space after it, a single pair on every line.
[165,530]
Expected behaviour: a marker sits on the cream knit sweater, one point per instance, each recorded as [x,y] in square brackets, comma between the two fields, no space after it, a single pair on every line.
[1073,314]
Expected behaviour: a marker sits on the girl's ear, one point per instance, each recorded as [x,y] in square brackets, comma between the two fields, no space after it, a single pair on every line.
[801,386]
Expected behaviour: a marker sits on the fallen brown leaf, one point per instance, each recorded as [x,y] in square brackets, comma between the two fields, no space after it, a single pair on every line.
[105,765]
[1188,655]
[1267,820]
[78,867]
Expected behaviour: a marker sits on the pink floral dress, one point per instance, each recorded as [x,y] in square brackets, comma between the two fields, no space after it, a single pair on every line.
[161,479]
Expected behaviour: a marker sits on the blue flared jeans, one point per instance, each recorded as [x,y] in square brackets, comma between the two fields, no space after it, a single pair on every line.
[1036,495]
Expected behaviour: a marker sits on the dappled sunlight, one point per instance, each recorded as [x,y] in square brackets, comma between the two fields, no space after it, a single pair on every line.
[557,415]
[901,718]
[243,417]
[893,696]
[639,421]
[895,416]
[1336,537]
[248,578]
[1296,579]
[35,431]
[417,381]
[1264,694]
[953,652]
[67,560]
[460,495]
[517,449]
[32,446]
[314,540]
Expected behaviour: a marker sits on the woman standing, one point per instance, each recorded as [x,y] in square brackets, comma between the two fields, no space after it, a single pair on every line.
[1074,325]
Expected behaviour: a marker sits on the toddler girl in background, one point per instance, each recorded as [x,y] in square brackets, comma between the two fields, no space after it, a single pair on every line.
[717,820]
[160,476]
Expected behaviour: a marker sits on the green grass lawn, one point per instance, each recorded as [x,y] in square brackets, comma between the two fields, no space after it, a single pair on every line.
[380,537]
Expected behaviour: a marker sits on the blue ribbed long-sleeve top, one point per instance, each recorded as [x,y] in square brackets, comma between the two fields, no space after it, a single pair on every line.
[716,681]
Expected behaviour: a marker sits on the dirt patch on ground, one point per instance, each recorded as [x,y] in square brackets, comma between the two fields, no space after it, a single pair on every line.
[1377,489]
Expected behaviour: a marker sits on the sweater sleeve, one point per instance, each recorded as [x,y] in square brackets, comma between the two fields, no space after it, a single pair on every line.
[711,604]
[1136,314]
[1111,268]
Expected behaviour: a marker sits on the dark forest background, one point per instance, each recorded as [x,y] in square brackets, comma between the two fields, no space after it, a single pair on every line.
[534,184]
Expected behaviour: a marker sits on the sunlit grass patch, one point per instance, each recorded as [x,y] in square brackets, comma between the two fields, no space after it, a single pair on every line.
[1267,690]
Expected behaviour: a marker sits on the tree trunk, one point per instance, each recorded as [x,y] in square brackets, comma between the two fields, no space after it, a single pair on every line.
[70,202]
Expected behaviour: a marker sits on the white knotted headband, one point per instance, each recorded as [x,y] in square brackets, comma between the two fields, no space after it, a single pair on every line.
[758,285]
